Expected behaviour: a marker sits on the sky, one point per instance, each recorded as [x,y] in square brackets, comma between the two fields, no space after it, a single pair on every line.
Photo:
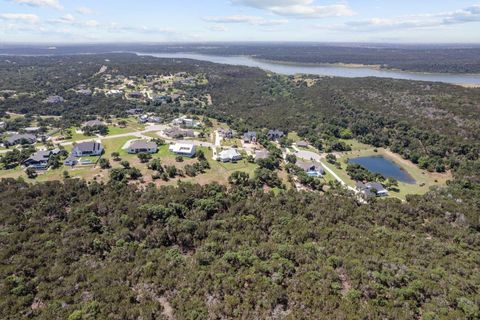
[388,21]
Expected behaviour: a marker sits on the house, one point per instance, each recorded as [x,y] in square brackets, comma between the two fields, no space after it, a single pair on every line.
[20,139]
[261,154]
[302,144]
[183,149]
[39,159]
[154,119]
[92,123]
[275,134]
[85,92]
[371,189]
[158,100]
[54,99]
[70,161]
[136,95]
[32,130]
[89,148]
[134,111]
[175,97]
[226,133]
[312,169]
[177,133]
[249,137]
[146,118]
[229,155]
[142,146]
[114,93]
[186,122]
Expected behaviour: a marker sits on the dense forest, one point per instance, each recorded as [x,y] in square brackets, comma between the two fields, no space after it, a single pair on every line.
[419,58]
[89,251]
[76,250]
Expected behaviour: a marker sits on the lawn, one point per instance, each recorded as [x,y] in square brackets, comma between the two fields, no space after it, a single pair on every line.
[231,142]
[13,173]
[228,167]
[115,145]
[82,172]
[356,145]
[151,134]
[164,152]
[75,135]
[293,136]
[132,126]
[114,130]
[218,172]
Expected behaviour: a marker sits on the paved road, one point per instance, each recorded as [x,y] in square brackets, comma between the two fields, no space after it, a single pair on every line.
[334,175]
[306,155]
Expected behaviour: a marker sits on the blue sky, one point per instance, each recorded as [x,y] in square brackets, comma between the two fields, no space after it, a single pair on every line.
[419,21]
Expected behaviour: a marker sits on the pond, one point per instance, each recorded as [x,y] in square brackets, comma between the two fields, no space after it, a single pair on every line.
[324,69]
[385,167]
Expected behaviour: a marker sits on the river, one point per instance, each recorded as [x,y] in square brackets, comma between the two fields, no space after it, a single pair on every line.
[325,69]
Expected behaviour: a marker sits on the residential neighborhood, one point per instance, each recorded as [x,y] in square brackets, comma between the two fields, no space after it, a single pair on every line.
[182,136]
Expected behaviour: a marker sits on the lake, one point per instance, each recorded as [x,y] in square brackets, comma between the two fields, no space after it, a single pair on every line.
[325,69]
[385,167]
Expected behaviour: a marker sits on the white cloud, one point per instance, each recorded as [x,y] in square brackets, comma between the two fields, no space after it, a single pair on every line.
[91,23]
[263,4]
[469,14]
[40,3]
[68,18]
[84,10]
[218,28]
[252,20]
[20,17]
[115,27]
[298,8]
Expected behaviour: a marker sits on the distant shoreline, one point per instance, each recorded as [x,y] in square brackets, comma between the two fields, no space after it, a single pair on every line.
[359,66]
[356,70]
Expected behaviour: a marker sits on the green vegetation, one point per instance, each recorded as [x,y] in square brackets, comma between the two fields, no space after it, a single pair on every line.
[279,252]
[130,240]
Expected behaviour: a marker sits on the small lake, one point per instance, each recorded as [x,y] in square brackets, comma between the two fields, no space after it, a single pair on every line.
[325,69]
[385,167]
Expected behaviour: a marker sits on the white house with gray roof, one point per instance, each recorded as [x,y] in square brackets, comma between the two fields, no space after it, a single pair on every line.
[229,155]
[371,189]
[142,146]
[89,148]
[183,149]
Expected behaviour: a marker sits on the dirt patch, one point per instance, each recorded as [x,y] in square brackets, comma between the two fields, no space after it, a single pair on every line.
[342,274]
[146,290]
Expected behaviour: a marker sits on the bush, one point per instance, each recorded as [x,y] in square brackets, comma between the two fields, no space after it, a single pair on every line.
[104,163]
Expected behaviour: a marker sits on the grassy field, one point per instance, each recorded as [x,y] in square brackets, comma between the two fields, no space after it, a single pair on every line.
[355,145]
[113,129]
[294,136]
[116,144]
[132,126]
[76,136]
[231,142]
